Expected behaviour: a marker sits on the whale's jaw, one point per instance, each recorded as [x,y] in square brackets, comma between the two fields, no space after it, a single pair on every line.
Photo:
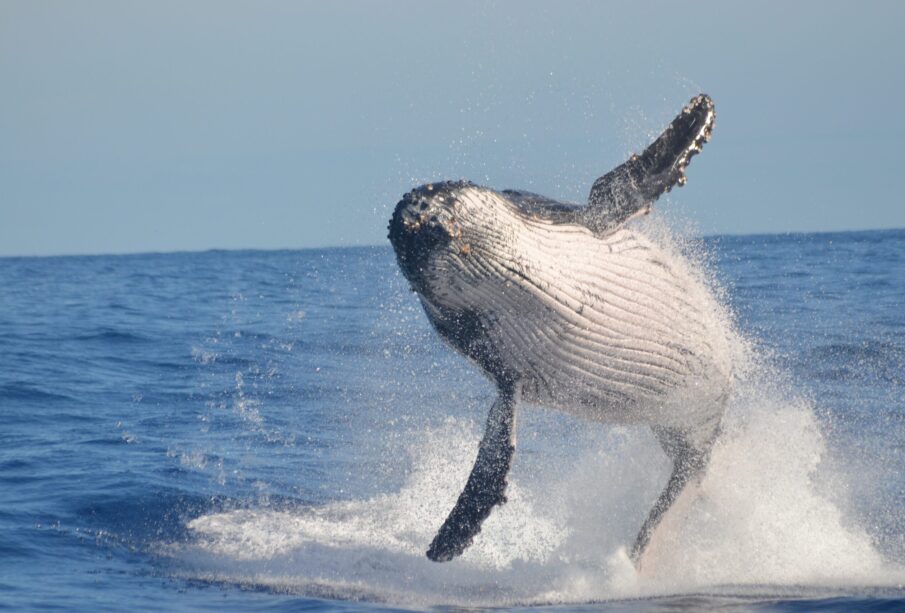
[448,235]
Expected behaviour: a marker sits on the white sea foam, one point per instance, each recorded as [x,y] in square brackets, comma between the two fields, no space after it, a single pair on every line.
[758,520]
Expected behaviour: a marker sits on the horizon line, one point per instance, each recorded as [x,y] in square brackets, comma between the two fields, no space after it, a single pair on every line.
[381,246]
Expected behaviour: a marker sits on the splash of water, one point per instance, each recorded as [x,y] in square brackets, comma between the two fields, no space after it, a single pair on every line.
[758,520]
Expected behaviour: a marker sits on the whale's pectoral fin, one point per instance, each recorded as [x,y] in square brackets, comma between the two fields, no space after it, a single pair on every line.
[630,189]
[689,463]
[487,483]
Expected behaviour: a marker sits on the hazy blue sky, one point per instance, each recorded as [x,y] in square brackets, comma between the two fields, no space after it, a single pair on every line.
[159,126]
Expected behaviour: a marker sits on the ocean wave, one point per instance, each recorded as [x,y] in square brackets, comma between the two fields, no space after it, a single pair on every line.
[111,335]
[22,391]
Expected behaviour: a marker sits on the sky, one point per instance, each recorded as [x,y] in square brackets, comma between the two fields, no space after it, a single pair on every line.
[173,125]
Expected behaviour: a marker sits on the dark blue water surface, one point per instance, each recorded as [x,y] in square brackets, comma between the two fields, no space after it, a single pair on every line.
[252,430]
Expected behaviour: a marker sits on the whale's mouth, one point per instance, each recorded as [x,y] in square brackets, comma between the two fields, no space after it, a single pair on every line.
[419,228]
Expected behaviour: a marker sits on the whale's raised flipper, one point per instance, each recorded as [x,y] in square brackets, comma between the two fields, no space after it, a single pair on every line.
[486,485]
[631,188]
[689,463]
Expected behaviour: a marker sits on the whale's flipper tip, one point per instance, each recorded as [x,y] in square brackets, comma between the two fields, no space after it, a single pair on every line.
[437,553]
[629,189]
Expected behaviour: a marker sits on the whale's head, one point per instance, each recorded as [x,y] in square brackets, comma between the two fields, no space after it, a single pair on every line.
[449,236]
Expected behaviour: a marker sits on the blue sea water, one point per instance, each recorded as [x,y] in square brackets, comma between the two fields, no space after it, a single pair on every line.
[246,430]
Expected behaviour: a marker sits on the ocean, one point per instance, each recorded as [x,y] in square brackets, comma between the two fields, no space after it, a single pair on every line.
[283,431]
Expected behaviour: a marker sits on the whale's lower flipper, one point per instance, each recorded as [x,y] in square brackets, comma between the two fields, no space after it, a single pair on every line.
[631,188]
[689,463]
[487,483]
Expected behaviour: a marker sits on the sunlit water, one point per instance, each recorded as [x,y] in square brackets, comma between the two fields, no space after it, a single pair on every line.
[283,430]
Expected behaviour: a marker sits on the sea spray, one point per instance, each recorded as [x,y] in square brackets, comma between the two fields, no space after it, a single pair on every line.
[758,522]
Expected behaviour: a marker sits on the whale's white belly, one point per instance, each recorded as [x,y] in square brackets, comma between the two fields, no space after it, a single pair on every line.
[613,328]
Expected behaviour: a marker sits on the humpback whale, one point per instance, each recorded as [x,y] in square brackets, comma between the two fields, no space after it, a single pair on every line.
[567,306]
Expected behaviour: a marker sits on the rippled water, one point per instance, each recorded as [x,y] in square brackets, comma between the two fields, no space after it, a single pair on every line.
[282,430]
